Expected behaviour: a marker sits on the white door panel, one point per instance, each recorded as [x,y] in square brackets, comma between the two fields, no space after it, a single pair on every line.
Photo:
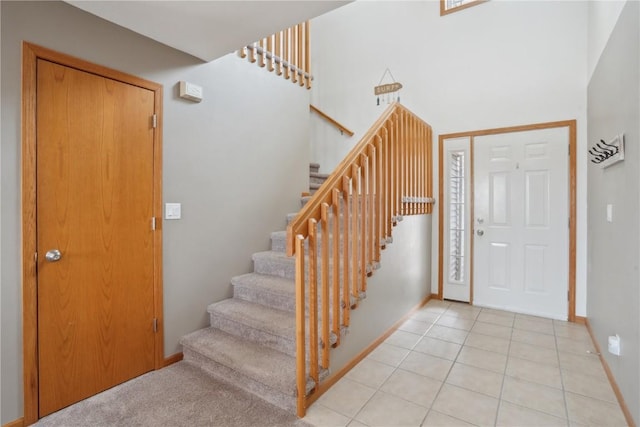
[521,221]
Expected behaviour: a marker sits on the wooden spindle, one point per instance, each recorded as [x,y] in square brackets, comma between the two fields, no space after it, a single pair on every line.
[252,53]
[364,168]
[324,268]
[261,54]
[307,57]
[355,234]
[270,45]
[301,374]
[285,52]
[335,257]
[313,300]
[278,52]
[346,236]
[371,239]
[379,204]
[294,54]
[301,52]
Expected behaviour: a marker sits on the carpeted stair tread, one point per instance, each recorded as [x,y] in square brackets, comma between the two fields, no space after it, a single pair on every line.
[314,167]
[273,291]
[249,359]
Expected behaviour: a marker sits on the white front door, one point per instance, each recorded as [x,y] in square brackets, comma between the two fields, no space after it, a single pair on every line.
[521,250]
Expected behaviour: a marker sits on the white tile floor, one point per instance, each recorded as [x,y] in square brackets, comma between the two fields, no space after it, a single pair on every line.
[456,365]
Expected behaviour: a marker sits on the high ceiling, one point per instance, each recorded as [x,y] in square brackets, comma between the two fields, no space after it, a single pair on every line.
[206,29]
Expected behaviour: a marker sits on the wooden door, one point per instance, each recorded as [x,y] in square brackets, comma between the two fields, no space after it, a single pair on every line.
[95,198]
[521,210]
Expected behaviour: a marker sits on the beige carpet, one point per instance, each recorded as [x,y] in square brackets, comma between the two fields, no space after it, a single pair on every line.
[179,395]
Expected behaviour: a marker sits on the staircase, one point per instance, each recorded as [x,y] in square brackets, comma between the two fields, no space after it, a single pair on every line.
[251,342]
[316,179]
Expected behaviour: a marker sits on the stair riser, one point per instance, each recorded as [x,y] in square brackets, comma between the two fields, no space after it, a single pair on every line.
[286,345]
[316,179]
[230,376]
[260,296]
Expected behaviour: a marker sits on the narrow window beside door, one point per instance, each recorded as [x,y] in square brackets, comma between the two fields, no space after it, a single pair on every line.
[456,216]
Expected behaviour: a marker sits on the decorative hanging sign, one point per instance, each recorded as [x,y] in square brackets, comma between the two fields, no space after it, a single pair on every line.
[387,89]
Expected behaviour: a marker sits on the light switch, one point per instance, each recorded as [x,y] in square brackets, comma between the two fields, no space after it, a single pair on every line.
[609,213]
[172,211]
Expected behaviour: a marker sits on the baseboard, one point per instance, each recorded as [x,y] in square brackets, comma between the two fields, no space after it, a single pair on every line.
[15,423]
[172,359]
[326,384]
[612,380]
[581,320]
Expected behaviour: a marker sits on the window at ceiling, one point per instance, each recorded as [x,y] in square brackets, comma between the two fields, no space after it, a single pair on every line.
[457,219]
[450,6]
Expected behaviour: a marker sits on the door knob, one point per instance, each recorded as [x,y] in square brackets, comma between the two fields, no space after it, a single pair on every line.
[53,255]
[480,232]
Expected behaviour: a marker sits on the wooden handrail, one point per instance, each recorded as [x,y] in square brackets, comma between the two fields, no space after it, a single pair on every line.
[288,49]
[335,123]
[338,236]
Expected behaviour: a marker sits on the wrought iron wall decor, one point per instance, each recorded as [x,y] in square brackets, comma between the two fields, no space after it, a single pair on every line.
[607,153]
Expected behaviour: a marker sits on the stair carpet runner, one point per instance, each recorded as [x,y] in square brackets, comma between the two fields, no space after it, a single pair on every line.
[251,341]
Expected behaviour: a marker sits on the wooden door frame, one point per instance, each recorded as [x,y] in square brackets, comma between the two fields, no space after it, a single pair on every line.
[571,125]
[30,54]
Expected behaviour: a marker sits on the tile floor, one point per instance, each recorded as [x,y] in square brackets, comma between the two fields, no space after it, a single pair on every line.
[456,365]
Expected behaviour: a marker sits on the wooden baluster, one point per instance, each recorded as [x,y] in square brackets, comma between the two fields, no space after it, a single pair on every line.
[396,172]
[242,52]
[252,53]
[346,236]
[371,238]
[285,53]
[278,52]
[301,52]
[307,49]
[404,144]
[313,300]
[419,166]
[412,164]
[430,169]
[301,374]
[379,201]
[261,54]
[270,49]
[355,233]
[324,263]
[364,168]
[386,149]
[335,257]
[294,54]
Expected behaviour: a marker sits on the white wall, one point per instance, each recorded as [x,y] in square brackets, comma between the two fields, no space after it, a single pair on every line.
[501,63]
[602,18]
[614,247]
[239,153]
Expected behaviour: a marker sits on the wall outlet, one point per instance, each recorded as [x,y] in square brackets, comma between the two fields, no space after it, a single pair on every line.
[614,344]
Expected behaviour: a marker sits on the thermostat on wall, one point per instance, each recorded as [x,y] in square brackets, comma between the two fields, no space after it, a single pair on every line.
[190,91]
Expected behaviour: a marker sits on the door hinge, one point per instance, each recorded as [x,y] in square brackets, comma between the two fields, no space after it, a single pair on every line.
[155,325]
[153,223]
[154,121]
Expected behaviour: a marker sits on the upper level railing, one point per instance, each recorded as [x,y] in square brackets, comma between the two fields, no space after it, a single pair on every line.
[286,53]
[338,236]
